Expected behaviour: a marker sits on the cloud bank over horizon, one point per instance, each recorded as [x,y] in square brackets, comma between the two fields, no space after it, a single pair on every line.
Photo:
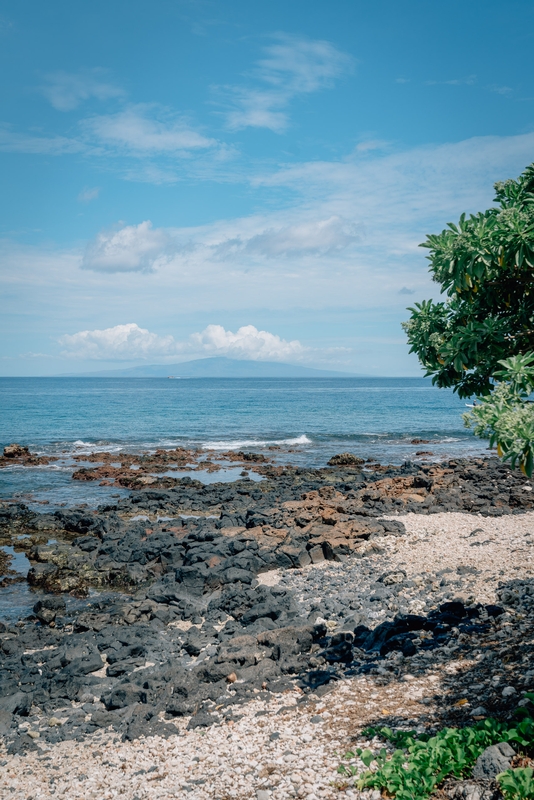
[349,239]
[131,343]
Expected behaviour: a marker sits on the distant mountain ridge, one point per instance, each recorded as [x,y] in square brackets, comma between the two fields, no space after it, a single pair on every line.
[216,367]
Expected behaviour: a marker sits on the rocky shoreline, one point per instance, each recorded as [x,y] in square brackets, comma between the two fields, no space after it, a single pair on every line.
[219,605]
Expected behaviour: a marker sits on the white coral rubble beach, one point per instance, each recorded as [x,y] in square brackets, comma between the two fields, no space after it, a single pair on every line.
[292,745]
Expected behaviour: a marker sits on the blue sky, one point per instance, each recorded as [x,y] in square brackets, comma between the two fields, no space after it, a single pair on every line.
[186,179]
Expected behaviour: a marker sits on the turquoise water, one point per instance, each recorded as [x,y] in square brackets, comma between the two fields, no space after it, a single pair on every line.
[310,419]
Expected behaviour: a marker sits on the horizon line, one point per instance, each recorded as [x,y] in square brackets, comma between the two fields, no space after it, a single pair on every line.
[217,377]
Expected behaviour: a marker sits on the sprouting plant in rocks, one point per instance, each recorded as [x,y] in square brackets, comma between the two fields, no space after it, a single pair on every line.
[413,765]
[517,783]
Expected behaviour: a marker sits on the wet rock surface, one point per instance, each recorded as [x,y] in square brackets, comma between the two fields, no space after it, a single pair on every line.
[19,454]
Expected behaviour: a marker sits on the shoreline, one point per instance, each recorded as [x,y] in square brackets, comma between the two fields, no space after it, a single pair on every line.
[277,599]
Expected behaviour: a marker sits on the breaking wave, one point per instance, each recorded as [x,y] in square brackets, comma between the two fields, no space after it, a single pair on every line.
[237,444]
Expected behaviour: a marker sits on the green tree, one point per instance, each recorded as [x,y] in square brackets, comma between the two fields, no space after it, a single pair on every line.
[480,338]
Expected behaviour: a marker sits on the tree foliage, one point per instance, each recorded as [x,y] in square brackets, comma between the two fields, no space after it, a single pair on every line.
[480,338]
[484,266]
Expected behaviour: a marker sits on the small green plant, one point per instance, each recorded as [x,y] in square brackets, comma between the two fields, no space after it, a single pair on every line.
[421,762]
[517,784]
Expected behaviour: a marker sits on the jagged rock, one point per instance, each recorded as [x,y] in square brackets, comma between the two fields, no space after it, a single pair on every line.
[468,790]
[392,577]
[240,650]
[493,760]
[345,460]
[124,695]
[207,571]
[201,720]
[18,703]
[48,608]
[6,721]
[288,641]
[53,579]
[16,451]
[21,744]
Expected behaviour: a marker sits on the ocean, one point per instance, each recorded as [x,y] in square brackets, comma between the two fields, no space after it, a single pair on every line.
[310,418]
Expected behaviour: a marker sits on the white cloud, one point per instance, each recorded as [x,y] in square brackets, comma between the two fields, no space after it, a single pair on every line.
[407,187]
[500,89]
[290,262]
[292,66]
[318,237]
[133,248]
[122,342]
[352,231]
[138,248]
[138,132]
[146,129]
[65,91]
[302,65]
[392,199]
[258,109]
[88,194]
[13,142]
[368,145]
[131,343]
[247,343]
[30,354]
[468,80]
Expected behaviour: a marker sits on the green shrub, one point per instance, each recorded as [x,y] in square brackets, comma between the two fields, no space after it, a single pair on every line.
[485,322]
[420,762]
[517,784]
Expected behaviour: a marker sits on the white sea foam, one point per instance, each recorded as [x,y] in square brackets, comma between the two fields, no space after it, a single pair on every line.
[91,447]
[235,445]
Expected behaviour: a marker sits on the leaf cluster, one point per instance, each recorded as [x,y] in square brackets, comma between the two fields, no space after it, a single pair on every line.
[420,762]
[485,268]
[506,417]
[517,784]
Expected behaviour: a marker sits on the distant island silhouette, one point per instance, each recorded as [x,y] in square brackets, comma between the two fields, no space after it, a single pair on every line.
[217,367]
